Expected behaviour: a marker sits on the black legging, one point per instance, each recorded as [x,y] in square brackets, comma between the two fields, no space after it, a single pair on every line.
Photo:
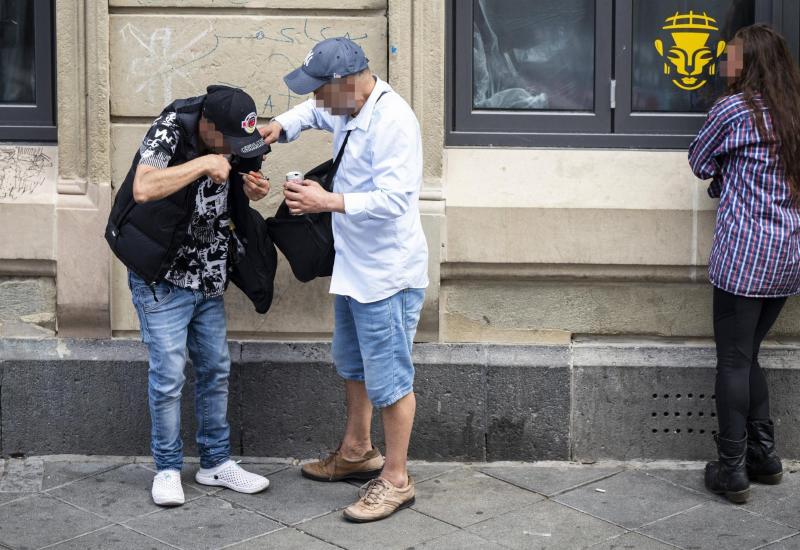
[740,324]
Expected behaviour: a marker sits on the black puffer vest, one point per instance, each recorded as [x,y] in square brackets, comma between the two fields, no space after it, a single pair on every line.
[146,237]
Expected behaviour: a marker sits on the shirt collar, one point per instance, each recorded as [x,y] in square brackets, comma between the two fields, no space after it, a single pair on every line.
[364,117]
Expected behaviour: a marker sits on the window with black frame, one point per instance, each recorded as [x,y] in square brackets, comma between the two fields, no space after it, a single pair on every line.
[632,73]
[26,71]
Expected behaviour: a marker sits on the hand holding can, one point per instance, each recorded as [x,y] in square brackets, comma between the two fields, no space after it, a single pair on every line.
[294,177]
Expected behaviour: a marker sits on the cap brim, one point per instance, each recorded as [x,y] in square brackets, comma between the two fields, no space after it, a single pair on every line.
[247,147]
[302,83]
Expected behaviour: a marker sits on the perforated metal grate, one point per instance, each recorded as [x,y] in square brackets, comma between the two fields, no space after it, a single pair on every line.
[685,414]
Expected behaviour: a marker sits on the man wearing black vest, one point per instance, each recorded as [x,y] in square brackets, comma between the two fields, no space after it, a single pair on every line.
[182,225]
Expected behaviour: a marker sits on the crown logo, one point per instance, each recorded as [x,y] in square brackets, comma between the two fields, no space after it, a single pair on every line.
[690,56]
[690,20]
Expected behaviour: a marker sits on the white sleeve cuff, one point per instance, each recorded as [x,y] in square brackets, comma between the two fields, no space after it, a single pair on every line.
[291,127]
[355,205]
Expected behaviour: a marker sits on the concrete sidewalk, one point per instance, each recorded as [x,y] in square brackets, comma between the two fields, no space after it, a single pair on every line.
[104,503]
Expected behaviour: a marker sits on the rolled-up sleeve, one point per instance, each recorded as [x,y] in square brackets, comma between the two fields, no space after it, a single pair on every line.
[304,116]
[396,173]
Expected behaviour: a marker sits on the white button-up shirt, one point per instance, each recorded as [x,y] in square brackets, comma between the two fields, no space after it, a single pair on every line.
[380,246]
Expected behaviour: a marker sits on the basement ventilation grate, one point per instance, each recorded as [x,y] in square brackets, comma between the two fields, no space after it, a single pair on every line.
[687,414]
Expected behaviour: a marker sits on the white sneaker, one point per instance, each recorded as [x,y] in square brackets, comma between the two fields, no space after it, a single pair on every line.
[229,474]
[167,489]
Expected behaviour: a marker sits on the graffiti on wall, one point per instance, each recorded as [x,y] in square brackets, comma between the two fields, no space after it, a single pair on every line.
[23,171]
[166,58]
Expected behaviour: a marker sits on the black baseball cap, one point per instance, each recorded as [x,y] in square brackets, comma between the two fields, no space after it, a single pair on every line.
[331,58]
[233,113]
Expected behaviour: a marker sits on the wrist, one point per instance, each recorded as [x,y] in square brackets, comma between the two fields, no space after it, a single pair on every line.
[335,202]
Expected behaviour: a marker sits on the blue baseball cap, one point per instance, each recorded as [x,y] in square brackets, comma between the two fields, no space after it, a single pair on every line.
[331,58]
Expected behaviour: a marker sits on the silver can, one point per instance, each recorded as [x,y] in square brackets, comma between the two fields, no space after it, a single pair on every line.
[296,177]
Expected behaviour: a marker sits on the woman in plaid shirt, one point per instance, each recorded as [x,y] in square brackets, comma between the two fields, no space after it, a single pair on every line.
[750,148]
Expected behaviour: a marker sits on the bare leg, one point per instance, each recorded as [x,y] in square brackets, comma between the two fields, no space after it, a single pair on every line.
[398,419]
[356,441]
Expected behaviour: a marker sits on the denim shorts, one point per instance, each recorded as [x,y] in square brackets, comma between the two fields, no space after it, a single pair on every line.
[372,343]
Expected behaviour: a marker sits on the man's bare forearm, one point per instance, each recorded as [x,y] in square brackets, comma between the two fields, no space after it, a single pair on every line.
[152,184]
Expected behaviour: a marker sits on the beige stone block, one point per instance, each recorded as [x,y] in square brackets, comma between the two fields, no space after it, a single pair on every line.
[298,309]
[569,178]
[499,310]
[433,224]
[28,174]
[556,235]
[123,315]
[275,4]
[83,264]
[158,58]
[27,231]
[706,223]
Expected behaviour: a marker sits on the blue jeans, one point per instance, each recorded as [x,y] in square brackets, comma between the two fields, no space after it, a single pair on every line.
[372,343]
[170,321]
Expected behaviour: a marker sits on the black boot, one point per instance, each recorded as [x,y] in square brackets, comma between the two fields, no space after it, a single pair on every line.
[763,464]
[728,475]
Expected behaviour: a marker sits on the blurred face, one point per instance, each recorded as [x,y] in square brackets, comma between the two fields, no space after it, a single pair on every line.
[212,138]
[733,62]
[338,96]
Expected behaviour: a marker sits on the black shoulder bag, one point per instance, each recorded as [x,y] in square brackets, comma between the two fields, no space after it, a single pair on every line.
[307,240]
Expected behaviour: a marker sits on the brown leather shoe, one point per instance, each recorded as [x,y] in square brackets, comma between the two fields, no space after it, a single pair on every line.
[337,468]
[380,499]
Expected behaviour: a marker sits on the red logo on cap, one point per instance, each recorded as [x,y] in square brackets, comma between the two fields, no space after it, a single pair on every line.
[249,123]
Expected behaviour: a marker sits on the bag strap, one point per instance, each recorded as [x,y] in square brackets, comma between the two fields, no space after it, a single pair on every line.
[335,166]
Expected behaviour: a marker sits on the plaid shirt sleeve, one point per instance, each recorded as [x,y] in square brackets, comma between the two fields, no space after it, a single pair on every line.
[712,143]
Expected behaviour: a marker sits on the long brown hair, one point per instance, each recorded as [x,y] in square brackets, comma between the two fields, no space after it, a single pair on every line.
[770,71]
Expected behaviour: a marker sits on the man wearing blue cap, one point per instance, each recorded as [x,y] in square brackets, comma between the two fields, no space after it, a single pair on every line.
[380,272]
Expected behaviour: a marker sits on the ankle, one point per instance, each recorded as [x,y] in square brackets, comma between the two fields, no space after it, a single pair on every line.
[399,480]
[355,450]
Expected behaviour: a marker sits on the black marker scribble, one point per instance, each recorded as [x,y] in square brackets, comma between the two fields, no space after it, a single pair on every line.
[22,171]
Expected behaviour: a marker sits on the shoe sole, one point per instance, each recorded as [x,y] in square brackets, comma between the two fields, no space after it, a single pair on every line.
[167,503]
[737,497]
[211,482]
[351,519]
[772,479]
[355,476]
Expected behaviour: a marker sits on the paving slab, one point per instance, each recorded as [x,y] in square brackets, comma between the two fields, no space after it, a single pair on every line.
[632,541]
[790,543]
[546,524]
[631,499]
[549,480]
[714,526]
[40,520]
[285,539]
[115,537]
[22,475]
[460,540]
[403,530]
[120,494]
[6,498]
[205,523]
[292,498]
[464,497]
[61,473]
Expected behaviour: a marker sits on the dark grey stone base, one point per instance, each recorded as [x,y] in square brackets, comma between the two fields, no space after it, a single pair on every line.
[587,401]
